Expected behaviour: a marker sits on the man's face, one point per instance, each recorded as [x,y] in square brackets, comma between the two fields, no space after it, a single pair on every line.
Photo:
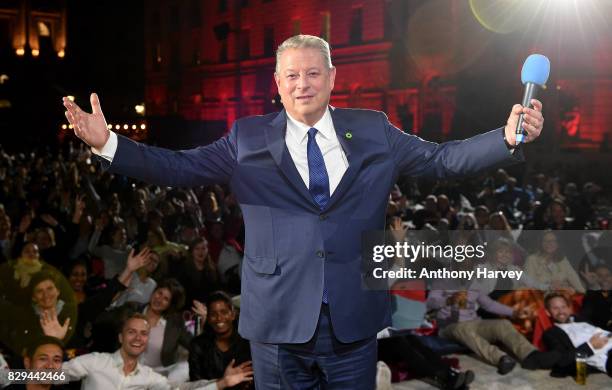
[134,337]
[559,310]
[46,357]
[304,83]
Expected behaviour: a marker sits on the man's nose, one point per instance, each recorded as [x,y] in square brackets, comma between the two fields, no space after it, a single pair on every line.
[303,82]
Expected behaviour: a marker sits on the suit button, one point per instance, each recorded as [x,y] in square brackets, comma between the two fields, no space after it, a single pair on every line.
[321,254]
[322,217]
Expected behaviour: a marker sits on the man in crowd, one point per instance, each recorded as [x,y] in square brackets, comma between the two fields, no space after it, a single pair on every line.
[456,312]
[45,353]
[102,371]
[570,335]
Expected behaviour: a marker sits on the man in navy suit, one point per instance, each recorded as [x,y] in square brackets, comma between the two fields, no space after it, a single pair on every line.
[309,181]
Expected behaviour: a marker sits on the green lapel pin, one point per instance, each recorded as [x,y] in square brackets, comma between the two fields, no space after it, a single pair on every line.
[348,135]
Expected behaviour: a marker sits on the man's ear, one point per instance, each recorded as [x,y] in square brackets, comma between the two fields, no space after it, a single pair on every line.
[27,363]
[277,79]
[120,337]
[548,313]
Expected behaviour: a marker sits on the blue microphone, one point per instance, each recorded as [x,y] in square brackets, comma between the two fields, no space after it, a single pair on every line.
[533,76]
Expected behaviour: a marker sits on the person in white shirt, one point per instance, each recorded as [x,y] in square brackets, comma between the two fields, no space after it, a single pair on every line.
[570,335]
[121,370]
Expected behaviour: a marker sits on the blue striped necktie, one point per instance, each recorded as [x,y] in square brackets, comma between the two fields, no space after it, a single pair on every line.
[318,179]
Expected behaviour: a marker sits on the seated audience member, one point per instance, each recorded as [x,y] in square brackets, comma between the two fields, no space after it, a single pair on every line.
[551,268]
[167,328]
[141,284]
[114,255]
[570,335]
[47,315]
[92,305]
[15,275]
[156,240]
[122,369]
[220,343]
[597,303]
[500,258]
[456,312]
[45,353]
[198,273]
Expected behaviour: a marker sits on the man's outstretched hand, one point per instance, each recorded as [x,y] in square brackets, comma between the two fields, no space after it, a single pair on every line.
[533,121]
[91,128]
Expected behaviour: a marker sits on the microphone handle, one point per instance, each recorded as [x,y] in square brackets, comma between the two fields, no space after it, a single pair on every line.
[530,93]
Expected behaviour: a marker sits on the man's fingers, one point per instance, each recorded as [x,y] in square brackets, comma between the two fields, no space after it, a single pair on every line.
[95,103]
[517,109]
[537,105]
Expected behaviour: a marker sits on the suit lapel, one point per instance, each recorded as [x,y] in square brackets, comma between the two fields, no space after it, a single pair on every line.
[353,149]
[275,139]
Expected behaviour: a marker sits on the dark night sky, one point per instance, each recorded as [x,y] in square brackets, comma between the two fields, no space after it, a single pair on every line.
[104,53]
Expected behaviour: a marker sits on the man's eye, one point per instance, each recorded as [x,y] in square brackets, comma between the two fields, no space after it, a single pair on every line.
[291,76]
[312,74]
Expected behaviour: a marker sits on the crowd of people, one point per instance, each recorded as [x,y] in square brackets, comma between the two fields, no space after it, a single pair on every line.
[117,281]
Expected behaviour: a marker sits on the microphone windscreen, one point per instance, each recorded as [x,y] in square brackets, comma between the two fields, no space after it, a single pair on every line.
[535,70]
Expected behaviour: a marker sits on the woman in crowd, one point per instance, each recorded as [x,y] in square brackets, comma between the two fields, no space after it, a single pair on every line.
[114,255]
[198,274]
[90,305]
[167,327]
[219,344]
[551,268]
[15,275]
[156,239]
[51,313]
[141,284]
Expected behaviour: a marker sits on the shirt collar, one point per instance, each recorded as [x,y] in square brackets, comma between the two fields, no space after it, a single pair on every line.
[58,308]
[299,130]
[118,362]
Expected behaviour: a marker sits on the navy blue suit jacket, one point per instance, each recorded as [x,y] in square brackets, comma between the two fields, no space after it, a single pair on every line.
[292,246]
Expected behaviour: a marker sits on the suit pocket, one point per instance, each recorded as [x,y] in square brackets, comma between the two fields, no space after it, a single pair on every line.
[262,265]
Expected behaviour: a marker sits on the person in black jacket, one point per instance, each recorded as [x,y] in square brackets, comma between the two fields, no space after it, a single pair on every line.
[220,344]
[597,303]
[568,332]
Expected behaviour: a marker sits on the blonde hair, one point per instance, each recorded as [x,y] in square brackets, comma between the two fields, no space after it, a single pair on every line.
[305,41]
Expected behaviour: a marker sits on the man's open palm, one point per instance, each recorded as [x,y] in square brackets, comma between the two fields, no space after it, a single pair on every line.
[91,128]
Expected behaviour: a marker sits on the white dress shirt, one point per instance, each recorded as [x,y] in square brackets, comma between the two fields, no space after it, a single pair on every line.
[104,371]
[581,332]
[296,139]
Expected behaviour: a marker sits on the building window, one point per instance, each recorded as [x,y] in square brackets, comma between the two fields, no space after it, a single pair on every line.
[325,25]
[245,44]
[356,25]
[297,26]
[268,41]
[222,6]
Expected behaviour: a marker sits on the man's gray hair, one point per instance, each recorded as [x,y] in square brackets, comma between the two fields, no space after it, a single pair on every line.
[305,41]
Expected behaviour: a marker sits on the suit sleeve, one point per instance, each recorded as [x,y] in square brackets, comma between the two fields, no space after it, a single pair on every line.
[210,164]
[419,158]
[556,340]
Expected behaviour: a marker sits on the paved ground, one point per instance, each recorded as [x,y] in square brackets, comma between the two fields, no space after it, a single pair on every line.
[518,379]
